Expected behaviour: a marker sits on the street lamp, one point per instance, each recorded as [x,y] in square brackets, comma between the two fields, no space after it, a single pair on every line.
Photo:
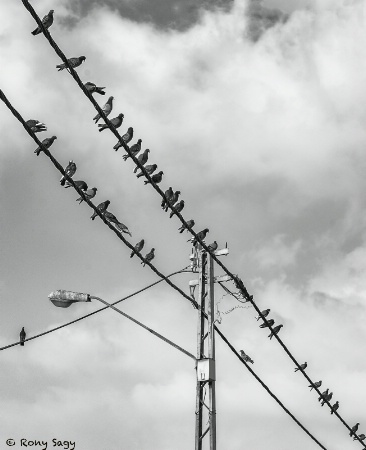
[63,299]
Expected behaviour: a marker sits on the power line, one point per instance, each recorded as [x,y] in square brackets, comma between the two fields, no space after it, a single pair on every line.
[92,313]
[239,282]
[165,278]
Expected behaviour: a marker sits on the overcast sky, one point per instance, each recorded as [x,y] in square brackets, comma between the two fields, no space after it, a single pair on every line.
[256,113]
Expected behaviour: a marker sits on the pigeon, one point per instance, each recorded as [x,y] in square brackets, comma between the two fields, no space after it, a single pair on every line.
[263,314]
[107,108]
[246,357]
[22,337]
[93,88]
[177,208]
[73,62]
[47,21]
[275,331]
[323,395]
[142,159]
[213,247]
[201,236]
[156,178]
[270,322]
[126,138]
[36,126]
[335,407]
[187,227]
[138,247]
[173,200]
[169,193]
[46,143]
[149,257]
[134,149]
[80,184]
[112,218]
[102,207]
[327,398]
[149,169]
[315,385]
[302,367]
[69,170]
[90,193]
[354,429]
[116,122]
[361,437]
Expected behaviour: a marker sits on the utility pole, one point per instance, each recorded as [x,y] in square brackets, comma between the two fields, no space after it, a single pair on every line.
[206,372]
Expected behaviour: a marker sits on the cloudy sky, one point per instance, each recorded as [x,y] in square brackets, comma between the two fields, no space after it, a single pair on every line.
[255,112]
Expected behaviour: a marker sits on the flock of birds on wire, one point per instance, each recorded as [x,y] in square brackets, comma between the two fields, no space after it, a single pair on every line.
[171,199]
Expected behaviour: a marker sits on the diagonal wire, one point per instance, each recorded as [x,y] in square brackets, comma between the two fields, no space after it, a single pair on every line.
[92,313]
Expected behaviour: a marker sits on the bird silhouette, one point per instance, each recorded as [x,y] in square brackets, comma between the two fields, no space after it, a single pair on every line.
[269,323]
[302,367]
[46,143]
[354,429]
[263,314]
[22,336]
[275,331]
[73,62]
[107,109]
[47,21]
[138,247]
[93,88]
[70,171]
[102,207]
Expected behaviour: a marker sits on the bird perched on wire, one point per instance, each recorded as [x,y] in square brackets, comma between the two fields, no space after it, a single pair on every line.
[47,21]
[116,122]
[201,236]
[89,194]
[150,169]
[93,88]
[142,159]
[150,256]
[79,183]
[327,398]
[323,395]
[335,407]
[275,331]
[316,385]
[73,62]
[212,247]
[263,314]
[69,170]
[126,138]
[156,178]
[246,357]
[354,429]
[169,193]
[107,109]
[269,323]
[173,200]
[187,227]
[177,208]
[102,207]
[361,437]
[113,219]
[302,367]
[22,337]
[134,149]
[36,126]
[46,143]
[138,247]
